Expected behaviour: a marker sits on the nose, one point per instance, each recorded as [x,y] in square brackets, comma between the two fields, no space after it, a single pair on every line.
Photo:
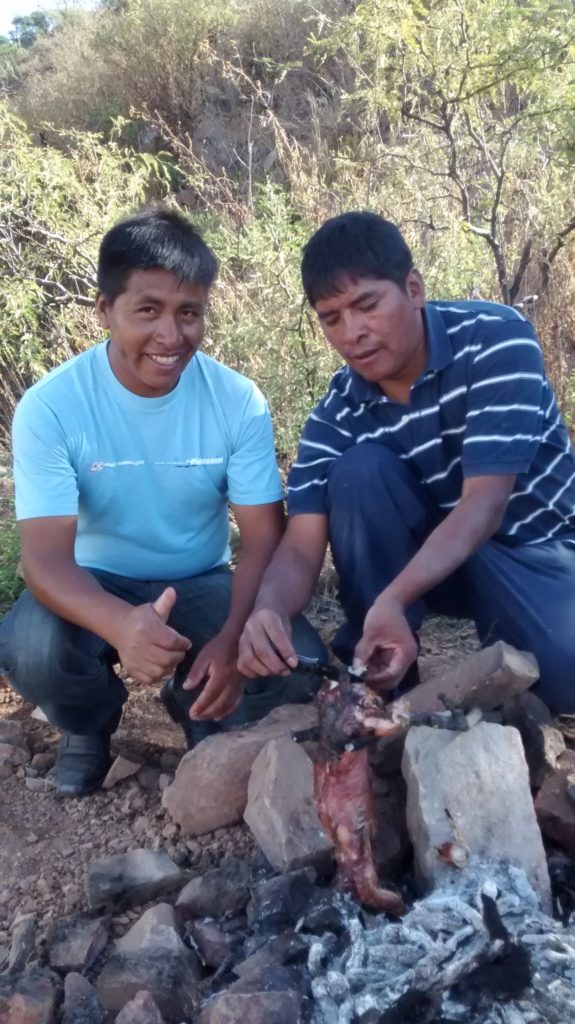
[354,327]
[168,330]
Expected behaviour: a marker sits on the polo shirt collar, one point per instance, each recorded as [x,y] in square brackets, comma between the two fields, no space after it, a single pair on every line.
[439,355]
[439,350]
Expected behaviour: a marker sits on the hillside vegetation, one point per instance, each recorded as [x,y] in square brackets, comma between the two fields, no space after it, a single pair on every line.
[456,118]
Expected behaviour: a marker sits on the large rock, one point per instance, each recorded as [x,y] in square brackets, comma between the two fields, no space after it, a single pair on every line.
[213,944]
[155,929]
[170,980]
[168,977]
[12,732]
[223,890]
[281,810]
[13,755]
[485,679]
[142,1009]
[554,806]
[253,1008]
[286,948]
[76,942]
[121,769]
[279,901]
[211,786]
[28,998]
[542,741]
[391,844]
[23,947]
[468,793]
[81,1003]
[267,994]
[152,957]
[127,879]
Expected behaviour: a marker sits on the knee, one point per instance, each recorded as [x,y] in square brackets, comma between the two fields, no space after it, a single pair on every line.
[35,676]
[34,653]
[307,640]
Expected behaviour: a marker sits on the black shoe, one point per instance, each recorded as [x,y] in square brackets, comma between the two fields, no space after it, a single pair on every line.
[83,761]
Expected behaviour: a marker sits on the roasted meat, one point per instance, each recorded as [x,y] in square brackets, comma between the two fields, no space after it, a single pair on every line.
[343,791]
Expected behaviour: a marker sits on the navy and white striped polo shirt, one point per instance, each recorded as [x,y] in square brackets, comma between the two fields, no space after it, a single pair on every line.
[482,406]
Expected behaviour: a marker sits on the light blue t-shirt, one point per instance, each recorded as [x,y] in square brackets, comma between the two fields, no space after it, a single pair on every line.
[148,478]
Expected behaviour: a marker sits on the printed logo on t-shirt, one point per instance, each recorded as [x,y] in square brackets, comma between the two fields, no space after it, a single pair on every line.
[217,460]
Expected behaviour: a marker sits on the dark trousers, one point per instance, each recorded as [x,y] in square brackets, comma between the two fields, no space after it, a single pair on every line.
[69,672]
[380,515]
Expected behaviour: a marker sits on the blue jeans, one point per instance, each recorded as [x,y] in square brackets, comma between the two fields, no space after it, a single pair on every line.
[69,672]
[379,517]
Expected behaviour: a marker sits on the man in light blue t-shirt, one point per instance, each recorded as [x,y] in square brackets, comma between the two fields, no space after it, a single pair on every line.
[125,460]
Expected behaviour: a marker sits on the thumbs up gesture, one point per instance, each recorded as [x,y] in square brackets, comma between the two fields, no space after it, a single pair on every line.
[149,649]
[164,603]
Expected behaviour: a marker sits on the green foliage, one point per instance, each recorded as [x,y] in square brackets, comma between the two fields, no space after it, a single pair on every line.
[164,56]
[28,27]
[55,207]
[10,55]
[475,103]
[58,204]
[454,118]
[261,324]
[10,584]
[145,53]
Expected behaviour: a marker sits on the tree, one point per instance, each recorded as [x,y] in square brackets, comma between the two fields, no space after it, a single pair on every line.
[27,28]
[476,102]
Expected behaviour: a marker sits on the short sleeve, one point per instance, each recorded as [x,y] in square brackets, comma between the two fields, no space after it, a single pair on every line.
[308,476]
[505,413]
[322,442]
[253,476]
[45,480]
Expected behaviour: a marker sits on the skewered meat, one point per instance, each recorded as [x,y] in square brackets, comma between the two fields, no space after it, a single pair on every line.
[343,790]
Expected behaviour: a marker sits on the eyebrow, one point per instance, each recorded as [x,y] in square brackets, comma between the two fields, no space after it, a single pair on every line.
[156,300]
[369,294]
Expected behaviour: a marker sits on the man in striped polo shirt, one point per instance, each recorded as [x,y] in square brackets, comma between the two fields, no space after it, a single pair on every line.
[437,466]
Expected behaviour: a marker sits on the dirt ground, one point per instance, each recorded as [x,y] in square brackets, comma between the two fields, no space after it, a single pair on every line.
[46,843]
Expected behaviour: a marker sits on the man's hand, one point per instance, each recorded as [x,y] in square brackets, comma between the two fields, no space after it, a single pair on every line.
[388,646]
[216,667]
[150,650]
[265,645]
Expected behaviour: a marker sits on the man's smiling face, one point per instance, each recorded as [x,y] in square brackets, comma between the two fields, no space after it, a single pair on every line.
[377,327]
[156,325]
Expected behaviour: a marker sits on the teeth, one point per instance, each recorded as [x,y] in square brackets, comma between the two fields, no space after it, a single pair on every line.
[165,360]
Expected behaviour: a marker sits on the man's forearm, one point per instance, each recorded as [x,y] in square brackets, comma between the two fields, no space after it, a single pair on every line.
[245,585]
[288,584]
[469,525]
[74,594]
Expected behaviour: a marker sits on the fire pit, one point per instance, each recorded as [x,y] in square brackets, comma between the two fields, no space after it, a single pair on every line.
[262,938]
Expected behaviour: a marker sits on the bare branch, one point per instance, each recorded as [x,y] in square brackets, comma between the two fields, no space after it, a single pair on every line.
[548,257]
[520,272]
[64,298]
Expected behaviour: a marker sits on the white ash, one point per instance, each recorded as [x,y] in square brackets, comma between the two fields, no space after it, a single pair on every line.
[479,951]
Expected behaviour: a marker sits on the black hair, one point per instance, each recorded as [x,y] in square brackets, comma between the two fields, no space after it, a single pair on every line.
[356,244]
[153,238]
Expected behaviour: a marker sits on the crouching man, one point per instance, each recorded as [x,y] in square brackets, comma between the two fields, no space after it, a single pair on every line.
[438,468]
[125,460]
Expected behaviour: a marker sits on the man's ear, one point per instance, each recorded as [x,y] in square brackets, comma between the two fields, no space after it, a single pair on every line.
[415,288]
[102,308]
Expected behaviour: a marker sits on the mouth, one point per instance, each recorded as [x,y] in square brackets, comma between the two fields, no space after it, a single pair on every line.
[165,362]
[365,357]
